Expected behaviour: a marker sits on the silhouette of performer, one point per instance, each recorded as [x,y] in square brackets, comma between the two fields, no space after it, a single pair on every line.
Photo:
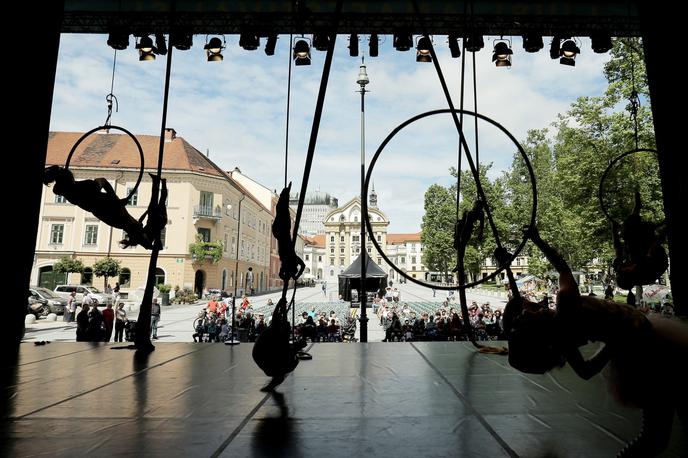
[642,351]
[640,259]
[463,229]
[99,198]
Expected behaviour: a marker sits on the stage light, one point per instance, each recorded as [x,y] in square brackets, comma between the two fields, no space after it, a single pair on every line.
[454,47]
[402,41]
[321,41]
[568,53]
[249,41]
[532,42]
[160,45]
[118,40]
[145,47]
[182,40]
[214,47]
[601,42]
[353,45]
[423,50]
[502,54]
[302,53]
[373,51]
[474,42]
[270,45]
[554,47]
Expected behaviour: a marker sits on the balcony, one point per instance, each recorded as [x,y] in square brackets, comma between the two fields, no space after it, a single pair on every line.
[207,212]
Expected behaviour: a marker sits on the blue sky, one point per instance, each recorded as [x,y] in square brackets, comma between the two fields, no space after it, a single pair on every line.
[236,109]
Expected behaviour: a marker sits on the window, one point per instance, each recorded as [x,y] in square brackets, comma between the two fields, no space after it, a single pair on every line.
[319,258]
[124,276]
[341,261]
[341,238]
[307,257]
[134,199]
[369,249]
[355,219]
[403,260]
[341,250]
[204,233]
[56,234]
[331,273]
[355,238]
[379,260]
[331,262]
[159,276]
[332,239]
[206,203]
[331,250]
[224,247]
[413,259]
[163,237]
[91,234]
[60,199]
[87,276]
[518,261]
[379,238]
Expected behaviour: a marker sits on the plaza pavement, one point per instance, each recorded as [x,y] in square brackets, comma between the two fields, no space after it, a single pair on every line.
[176,323]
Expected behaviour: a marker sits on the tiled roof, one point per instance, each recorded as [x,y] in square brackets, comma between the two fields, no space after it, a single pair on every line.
[401,238]
[316,240]
[118,151]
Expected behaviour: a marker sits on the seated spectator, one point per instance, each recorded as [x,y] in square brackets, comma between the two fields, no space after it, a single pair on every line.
[308,330]
[224,330]
[394,330]
[333,331]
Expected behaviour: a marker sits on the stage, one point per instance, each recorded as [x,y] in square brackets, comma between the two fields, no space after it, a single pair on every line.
[418,399]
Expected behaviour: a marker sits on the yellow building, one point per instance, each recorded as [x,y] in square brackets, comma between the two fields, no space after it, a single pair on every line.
[204,201]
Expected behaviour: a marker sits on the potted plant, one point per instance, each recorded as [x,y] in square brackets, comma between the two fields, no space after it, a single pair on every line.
[165,294]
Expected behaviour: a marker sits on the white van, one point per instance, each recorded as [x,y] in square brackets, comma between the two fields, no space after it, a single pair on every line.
[102,298]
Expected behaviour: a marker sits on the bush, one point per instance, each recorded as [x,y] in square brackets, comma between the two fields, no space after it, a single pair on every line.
[164,288]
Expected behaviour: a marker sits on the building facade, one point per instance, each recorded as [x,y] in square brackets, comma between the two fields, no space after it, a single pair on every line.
[204,205]
[316,206]
[406,252]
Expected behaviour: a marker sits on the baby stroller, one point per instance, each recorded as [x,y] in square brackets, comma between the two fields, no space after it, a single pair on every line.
[130,330]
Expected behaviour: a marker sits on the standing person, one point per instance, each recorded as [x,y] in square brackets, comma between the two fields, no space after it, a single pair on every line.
[115,291]
[82,323]
[155,318]
[71,308]
[120,320]
[324,289]
[249,282]
[108,320]
[94,331]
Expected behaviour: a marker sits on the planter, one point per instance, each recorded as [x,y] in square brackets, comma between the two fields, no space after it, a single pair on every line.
[165,298]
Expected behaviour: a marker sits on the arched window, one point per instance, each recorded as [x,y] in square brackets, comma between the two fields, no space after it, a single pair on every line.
[125,277]
[87,276]
[159,276]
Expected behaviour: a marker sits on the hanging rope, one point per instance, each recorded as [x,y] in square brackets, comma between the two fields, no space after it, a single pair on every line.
[286,129]
[111,96]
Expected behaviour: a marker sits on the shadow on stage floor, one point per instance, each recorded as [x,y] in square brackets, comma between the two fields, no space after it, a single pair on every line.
[376,399]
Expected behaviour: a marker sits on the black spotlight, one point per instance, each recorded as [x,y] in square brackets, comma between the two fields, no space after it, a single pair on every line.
[160,45]
[270,45]
[402,41]
[568,53]
[181,40]
[118,40]
[373,45]
[146,48]
[321,41]
[554,47]
[601,42]
[302,53]
[532,42]
[213,49]
[353,45]
[454,47]
[423,50]
[249,41]
[502,54]
[474,42]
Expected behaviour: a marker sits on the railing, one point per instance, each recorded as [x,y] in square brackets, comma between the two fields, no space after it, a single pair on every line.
[203,211]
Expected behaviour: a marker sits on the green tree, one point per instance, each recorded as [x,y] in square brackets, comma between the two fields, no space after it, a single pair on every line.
[68,265]
[106,267]
[438,230]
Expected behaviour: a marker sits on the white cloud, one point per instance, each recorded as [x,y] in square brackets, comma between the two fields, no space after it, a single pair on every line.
[236,109]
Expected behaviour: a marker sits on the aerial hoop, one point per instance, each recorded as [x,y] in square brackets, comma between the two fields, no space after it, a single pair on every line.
[523,154]
[600,191]
[122,129]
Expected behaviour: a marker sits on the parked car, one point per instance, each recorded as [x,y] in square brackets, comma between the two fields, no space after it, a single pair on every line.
[102,298]
[56,303]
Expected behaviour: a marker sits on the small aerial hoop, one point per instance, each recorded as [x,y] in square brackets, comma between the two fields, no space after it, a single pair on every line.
[611,165]
[108,127]
[531,223]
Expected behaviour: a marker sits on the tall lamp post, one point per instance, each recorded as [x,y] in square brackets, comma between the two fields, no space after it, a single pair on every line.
[231,340]
[362,81]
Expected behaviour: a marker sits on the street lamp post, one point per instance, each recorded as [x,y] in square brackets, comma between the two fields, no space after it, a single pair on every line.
[362,81]
[231,340]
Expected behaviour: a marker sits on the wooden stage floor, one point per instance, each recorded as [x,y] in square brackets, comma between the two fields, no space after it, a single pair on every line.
[421,399]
